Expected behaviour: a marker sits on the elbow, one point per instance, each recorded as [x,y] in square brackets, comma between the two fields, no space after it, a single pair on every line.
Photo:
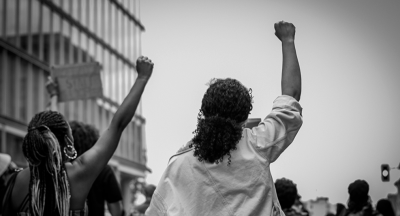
[293,93]
[297,96]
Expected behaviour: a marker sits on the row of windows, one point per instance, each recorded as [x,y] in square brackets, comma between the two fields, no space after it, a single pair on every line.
[60,32]
[23,94]
[33,27]
[21,17]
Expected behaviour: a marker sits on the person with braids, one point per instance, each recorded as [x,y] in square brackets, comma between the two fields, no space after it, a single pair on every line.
[224,169]
[106,187]
[53,185]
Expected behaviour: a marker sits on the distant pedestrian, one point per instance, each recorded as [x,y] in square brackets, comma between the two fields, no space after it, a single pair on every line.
[225,168]
[105,188]
[148,192]
[286,191]
[385,207]
[359,203]
[340,209]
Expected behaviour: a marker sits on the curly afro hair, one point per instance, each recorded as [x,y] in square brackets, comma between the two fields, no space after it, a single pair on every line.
[85,136]
[286,191]
[226,105]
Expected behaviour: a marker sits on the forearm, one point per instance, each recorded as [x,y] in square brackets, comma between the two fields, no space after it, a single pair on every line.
[97,157]
[291,76]
[127,109]
[54,103]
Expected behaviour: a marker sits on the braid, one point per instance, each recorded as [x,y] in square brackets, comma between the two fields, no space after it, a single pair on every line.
[48,187]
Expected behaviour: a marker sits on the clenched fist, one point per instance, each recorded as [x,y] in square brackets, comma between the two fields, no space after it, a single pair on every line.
[144,67]
[285,31]
[52,87]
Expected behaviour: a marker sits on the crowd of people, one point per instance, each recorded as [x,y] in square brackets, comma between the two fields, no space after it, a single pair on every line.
[359,202]
[223,170]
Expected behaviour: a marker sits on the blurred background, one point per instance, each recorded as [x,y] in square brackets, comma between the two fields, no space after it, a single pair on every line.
[348,52]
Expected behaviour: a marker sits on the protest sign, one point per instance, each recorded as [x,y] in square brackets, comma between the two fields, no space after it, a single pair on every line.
[78,81]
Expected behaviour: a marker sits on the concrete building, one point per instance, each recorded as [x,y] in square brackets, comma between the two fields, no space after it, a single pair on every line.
[38,34]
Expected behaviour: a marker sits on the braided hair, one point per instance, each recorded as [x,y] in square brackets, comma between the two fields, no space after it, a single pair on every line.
[42,147]
[226,105]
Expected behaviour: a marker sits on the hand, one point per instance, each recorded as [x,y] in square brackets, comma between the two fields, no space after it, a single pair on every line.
[144,67]
[52,87]
[285,31]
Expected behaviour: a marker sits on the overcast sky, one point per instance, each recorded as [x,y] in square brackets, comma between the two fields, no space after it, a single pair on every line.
[349,54]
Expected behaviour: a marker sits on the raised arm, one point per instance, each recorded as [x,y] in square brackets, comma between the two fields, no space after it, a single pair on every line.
[52,89]
[89,165]
[291,76]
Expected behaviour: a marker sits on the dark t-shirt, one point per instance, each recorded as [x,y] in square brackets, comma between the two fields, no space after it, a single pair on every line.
[104,188]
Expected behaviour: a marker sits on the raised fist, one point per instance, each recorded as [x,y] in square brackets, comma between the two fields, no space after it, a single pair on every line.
[285,31]
[52,87]
[144,67]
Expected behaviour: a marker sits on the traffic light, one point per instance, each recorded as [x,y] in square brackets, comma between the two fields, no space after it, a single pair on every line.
[385,172]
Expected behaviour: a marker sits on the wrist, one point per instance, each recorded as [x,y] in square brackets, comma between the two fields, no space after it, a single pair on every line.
[52,94]
[143,78]
[288,41]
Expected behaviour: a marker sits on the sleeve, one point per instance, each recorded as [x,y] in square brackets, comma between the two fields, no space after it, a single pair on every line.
[278,130]
[156,206]
[111,187]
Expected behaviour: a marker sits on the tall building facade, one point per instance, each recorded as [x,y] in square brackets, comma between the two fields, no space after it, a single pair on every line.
[38,34]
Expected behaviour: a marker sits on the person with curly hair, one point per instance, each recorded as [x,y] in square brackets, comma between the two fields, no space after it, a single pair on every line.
[224,169]
[105,188]
[286,190]
[57,182]
[359,202]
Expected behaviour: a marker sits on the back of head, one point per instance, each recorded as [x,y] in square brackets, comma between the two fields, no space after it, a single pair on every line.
[225,107]
[384,206]
[358,195]
[85,136]
[286,191]
[43,147]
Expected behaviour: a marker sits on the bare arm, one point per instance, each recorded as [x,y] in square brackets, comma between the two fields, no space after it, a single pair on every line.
[52,89]
[115,208]
[90,164]
[291,76]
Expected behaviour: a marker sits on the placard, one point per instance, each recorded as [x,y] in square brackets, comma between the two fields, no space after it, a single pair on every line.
[78,81]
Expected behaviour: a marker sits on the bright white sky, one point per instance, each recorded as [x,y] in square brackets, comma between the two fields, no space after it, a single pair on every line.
[349,53]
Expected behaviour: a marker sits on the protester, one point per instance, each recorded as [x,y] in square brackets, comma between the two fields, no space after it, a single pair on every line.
[224,169]
[359,203]
[384,207]
[340,209]
[299,206]
[7,167]
[52,185]
[148,192]
[106,187]
[286,191]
